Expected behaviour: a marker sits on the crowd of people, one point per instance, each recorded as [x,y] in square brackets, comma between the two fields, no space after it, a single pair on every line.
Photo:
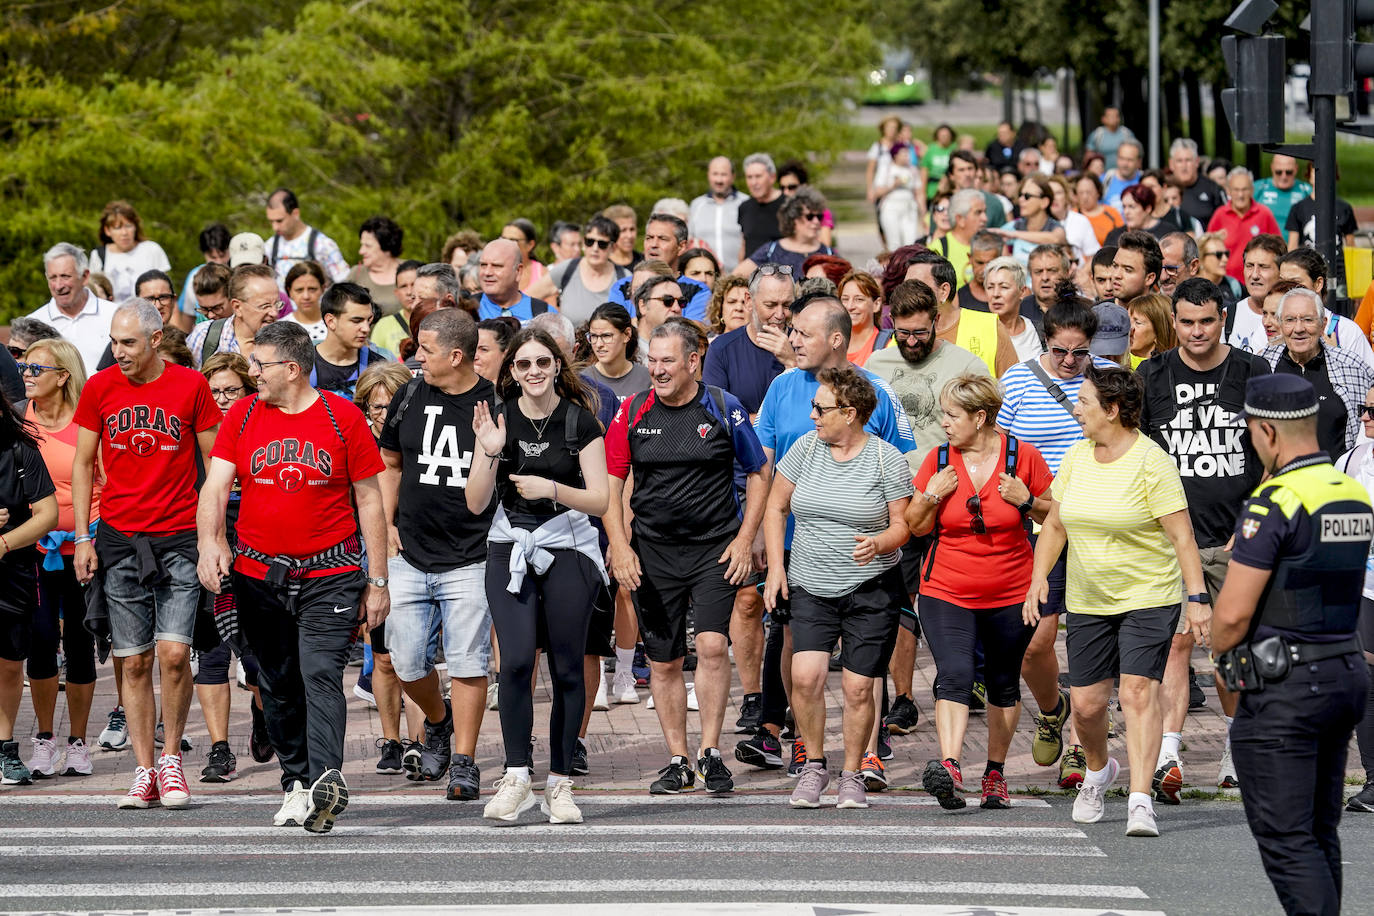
[1023,417]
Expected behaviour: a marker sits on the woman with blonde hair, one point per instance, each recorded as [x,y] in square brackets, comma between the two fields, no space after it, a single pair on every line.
[1152,327]
[53,378]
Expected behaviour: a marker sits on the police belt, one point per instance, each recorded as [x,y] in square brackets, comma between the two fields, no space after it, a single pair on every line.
[1250,666]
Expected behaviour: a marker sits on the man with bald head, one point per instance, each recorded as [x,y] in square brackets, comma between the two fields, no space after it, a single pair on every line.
[499,273]
[715,214]
[1282,189]
[1240,219]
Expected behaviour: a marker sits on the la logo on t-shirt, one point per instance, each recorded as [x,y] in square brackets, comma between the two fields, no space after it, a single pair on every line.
[442,452]
[139,428]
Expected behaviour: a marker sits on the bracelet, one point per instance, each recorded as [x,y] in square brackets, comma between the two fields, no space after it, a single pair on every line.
[930,498]
[490,455]
[5,542]
[84,539]
[555,492]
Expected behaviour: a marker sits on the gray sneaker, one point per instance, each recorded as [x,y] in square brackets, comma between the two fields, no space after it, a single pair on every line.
[810,784]
[850,792]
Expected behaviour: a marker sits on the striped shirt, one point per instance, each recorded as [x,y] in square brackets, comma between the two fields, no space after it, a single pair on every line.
[834,502]
[1030,413]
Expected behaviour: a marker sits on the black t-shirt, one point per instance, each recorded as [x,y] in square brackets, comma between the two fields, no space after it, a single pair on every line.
[1331,412]
[435,441]
[1202,199]
[968,301]
[23,480]
[11,382]
[1302,219]
[1160,229]
[1193,416]
[759,223]
[540,449]
[341,380]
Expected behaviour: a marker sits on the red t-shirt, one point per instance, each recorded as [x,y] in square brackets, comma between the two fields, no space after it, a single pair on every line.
[991,570]
[296,476]
[148,445]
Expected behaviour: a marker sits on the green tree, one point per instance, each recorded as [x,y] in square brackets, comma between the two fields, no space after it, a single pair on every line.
[435,113]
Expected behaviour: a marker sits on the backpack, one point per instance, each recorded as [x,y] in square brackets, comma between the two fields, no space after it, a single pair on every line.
[309,246]
[569,418]
[942,462]
[210,345]
[351,381]
[637,402]
[620,274]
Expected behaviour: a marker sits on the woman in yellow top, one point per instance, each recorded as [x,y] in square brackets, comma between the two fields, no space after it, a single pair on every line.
[1119,503]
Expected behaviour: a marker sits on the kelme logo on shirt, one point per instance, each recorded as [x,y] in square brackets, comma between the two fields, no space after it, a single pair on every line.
[290,451]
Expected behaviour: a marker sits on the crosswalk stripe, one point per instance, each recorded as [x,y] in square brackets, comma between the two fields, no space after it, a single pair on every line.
[661,908]
[870,831]
[363,798]
[468,847]
[353,889]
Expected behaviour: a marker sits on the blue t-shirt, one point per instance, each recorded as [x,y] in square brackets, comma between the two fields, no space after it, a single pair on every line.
[1115,185]
[523,310]
[786,415]
[621,293]
[741,367]
[610,401]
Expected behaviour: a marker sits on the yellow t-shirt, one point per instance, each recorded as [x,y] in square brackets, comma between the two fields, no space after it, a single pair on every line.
[1119,556]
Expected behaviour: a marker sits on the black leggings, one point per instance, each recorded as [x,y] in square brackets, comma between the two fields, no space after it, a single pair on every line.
[552,612]
[61,618]
[954,634]
[1364,732]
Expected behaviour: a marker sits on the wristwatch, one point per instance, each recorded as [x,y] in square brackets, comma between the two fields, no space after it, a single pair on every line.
[1203,598]
[1026,506]
[379,582]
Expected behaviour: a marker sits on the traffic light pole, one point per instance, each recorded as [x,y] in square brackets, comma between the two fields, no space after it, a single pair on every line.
[1324,159]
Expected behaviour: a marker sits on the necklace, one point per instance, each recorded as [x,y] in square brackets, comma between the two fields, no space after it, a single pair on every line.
[538,429]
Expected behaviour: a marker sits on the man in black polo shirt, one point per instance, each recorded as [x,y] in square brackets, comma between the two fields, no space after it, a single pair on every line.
[682,440]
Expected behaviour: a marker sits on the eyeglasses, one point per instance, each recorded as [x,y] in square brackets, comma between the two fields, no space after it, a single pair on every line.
[35,370]
[259,365]
[545,363]
[1064,355]
[789,187]
[1307,321]
[1223,254]
[974,505]
[1285,172]
[1172,268]
[670,301]
[1367,410]
[378,408]
[822,411]
[603,244]
[774,270]
[208,310]
[161,298]
[218,393]
[918,334]
[812,217]
[601,337]
[1024,196]
[942,208]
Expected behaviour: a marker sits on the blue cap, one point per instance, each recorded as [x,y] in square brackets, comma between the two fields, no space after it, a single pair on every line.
[1279,397]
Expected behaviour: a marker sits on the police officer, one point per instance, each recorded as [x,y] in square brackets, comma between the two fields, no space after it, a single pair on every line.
[1284,634]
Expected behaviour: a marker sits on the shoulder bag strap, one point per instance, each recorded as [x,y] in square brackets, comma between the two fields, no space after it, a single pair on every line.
[1055,391]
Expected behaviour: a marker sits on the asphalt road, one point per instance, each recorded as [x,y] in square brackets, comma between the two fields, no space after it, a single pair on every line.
[750,854]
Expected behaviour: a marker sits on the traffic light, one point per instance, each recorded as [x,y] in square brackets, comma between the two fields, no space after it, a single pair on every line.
[1338,60]
[1254,105]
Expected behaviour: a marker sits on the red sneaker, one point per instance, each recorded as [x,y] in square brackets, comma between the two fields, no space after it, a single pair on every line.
[995,791]
[144,794]
[171,782]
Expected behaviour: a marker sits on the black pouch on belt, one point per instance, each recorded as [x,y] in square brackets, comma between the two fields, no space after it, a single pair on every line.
[1273,658]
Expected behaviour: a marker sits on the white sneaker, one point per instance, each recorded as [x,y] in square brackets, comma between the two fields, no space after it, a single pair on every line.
[600,703]
[558,803]
[692,704]
[1141,822]
[513,798]
[492,690]
[623,687]
[1091,800]
[294,807]
[115,737]
[1227,778]
[43,763]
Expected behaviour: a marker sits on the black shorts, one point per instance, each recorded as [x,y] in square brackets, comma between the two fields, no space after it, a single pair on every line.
[376,638]
[601,627]
[1100,647]
[1058,579]
[913,562]
[674,577]
[863,622]
[18,604]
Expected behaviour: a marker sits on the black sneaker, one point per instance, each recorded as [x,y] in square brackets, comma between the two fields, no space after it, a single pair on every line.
[1196,698]
[750,715]
[328,799]
[902,718]
[160,739]
[222,764]
[355,655]
[579,760]
[12,769]
[714,774]
[389,764]
[1362,801]
[674,779]
[762,751]
[259,745]
[429,760]
[464,779]
[979,701]
[640,666]
[410,758]
[789,726]
[884,745]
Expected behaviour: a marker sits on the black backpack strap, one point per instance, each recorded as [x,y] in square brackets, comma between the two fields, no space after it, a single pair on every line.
[310,244]
[1012,445]
[272,255]
[941,462]
[538,307]
[246,414]
[718,396]
[407,393]
[570,428]
[1054,390]
[568,275]
[405,325]
[213,335]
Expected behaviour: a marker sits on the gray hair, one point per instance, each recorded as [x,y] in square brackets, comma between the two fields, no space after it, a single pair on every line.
[445,277]
[558,326]
[813,285]
[1302,293]
[147,316]
[686,337]
[678,223]
[962,202]
[762,159]
[1190,252]
[674,205]
[31,330]
[291,341]
[760,274]
[1027,153]
[1010,265]
[1139,150]
[1239,171]
[66,250]
[1183,144]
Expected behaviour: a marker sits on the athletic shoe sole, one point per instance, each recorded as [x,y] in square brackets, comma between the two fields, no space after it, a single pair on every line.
[528,803]
[410,762]
[750,755]
[329,798]
[1359,806]
[73,771]
[1167,783]
[938,782]
[218,777]
[874,782]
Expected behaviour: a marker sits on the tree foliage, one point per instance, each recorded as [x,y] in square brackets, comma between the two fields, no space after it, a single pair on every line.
[438,114]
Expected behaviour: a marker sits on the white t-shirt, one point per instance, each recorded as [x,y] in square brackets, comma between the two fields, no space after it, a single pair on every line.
[1027,343]
[124,267]
[1079,230]
[316,329]
[1248,331]
[89,331]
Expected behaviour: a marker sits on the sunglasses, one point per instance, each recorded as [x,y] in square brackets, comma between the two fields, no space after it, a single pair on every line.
[670,301]
[35,370]
[1285,172]
[16,352]
[1222,255]
[774,270]
[822,411]
[543,362]
[1024,196]
[812,217]
[974,505]
[1075,355]
[1367,410]
[789,187]
[603,244]
[943,208]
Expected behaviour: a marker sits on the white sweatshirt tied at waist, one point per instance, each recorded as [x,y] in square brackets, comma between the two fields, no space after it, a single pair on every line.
[570,530]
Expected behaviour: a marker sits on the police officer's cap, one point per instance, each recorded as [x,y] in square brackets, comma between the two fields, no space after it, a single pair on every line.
[1279,397]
